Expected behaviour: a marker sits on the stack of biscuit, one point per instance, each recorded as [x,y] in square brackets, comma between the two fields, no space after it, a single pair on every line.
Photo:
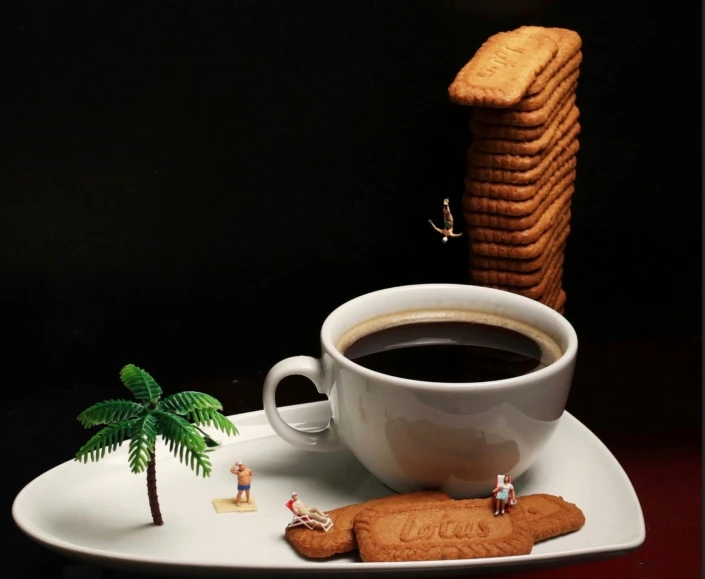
[522,160]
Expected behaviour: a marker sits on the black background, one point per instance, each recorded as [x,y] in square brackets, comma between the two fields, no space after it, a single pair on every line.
[192,186]
[197,184]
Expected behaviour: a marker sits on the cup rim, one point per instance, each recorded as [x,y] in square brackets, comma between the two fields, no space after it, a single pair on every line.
[556,367]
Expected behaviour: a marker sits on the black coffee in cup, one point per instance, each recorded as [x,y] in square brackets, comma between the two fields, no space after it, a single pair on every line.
[458,346]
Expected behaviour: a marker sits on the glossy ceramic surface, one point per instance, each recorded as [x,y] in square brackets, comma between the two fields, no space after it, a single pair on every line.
[98,512]
[415,435]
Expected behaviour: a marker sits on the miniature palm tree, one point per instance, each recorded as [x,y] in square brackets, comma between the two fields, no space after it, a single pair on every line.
[149,417]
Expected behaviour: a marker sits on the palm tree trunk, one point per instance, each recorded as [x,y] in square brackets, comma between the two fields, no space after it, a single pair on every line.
[152,491]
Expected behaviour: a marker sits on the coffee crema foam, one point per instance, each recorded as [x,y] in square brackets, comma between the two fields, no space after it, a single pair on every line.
[550,351]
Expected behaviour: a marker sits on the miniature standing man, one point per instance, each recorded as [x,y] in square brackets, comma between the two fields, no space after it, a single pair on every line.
[302,509]
[504,490]
[447,230]
[244,478]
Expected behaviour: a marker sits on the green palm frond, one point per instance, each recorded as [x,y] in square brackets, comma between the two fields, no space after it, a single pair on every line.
[110,411]
[211,444]
[185,441]
[213,418]
[144,435]
[141,384]
[105,440]
[186,402]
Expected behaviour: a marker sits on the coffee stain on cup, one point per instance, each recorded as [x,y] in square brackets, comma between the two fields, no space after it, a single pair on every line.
[431,454]
[361,410]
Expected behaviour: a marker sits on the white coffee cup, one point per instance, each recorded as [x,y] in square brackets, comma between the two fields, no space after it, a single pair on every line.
[411,435]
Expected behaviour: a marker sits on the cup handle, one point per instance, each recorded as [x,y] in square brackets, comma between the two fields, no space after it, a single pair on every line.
[320,441]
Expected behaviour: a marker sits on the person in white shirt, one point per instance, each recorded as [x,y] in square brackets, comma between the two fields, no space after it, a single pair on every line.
[502,493]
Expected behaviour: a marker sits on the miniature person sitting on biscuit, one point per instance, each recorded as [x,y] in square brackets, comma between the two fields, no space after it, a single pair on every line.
[502,494]
[302,509]
[447,230]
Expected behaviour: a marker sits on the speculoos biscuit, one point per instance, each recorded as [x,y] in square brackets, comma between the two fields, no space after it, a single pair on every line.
[514,133]
[319,544]
[508,176]
[546,219]
[482,206]
[555,128]
[521,162]
[536,101]
[504,68]
[500,220]
[551,296]
[560,303]
[514,278]
[569,44]
[462,529]
[535,292]
[551,516]
[510,192]
[529,118]
[514,251]
[525,265]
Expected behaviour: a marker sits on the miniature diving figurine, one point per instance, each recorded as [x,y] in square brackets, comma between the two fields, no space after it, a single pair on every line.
[447,230]
[244,479]
[503,494]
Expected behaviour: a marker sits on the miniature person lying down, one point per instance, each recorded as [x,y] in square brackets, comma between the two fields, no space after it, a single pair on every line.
[302,509]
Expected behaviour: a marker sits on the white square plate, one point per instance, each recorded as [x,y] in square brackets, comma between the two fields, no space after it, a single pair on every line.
[98,512]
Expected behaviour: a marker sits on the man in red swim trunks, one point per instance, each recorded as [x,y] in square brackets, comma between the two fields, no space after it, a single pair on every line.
[244,479]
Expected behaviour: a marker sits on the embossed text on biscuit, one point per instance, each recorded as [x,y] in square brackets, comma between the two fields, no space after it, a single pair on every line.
[505,56]
[418,527]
